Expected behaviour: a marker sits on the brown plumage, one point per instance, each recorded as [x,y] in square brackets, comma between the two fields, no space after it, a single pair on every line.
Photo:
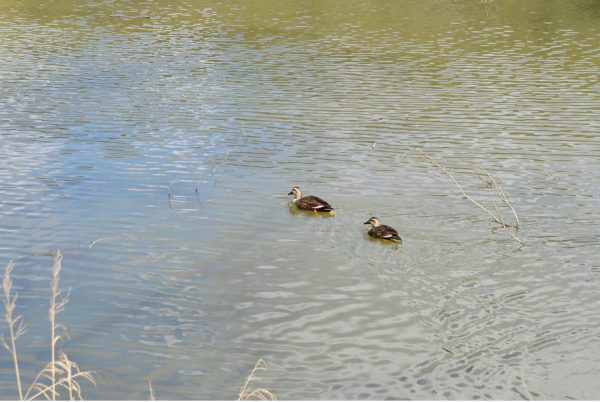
[382,231]
[310,202]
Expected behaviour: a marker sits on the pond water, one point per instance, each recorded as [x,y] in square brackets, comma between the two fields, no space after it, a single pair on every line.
[155,142]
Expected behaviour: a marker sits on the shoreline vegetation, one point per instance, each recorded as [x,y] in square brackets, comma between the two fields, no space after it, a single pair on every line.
[60,373]
[61,378]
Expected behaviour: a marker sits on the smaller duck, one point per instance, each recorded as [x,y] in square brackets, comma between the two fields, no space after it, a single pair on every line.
[310,202]
[382,231]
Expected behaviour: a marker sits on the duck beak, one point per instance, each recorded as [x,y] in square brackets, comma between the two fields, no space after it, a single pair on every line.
[366,223]
[290,193]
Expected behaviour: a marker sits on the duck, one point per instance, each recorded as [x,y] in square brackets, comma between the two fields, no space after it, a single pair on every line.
[310,202]
[382,231]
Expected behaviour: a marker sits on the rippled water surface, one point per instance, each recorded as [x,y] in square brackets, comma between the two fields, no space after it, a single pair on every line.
[155,144]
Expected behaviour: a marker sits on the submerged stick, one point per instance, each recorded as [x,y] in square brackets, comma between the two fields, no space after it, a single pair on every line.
[502,195]
[436,164]
[496,218]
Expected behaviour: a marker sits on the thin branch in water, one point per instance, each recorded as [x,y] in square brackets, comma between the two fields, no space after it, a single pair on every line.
[502,196]
[496,218]
[436,164]
[505,226]
[92,244]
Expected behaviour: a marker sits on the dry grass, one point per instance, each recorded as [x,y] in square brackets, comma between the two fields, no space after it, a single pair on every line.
[151,395]
[60,374]
[16,325]
[61,377]
[247,393]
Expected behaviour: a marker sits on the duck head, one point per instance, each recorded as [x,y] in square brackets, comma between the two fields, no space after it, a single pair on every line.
[296,192]
[373,221]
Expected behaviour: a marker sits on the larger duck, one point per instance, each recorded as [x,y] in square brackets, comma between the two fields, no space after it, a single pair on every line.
[309,202]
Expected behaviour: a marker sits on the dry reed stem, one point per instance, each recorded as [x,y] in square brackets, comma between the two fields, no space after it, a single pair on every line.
[496,218]
[58,373]
[152,397]
[55,307]
[16,325]
[257,393]
[70,380]
[69,376]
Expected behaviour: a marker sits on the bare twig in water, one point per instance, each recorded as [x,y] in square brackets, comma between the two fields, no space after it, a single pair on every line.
[92,244]
[496,218]
[436,164]
[103,239]
[255,393]
[502,195]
